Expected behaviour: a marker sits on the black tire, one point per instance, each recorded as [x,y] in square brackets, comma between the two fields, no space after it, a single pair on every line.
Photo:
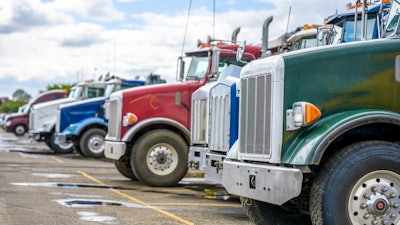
[92,143]
[77,149]
[359,185]
[262,213]
[123,166]
[159,158]
[19,130]
[60,149]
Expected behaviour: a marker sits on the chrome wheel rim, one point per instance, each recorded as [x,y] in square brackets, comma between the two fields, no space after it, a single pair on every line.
[96,144]
[375,199]
[162,159]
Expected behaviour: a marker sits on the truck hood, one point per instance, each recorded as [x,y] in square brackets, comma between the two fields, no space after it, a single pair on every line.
[157,88]
[44,115]
[52,104]
[77,111]
[16,115]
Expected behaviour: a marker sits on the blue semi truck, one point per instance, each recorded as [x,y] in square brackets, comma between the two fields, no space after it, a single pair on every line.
[83,124]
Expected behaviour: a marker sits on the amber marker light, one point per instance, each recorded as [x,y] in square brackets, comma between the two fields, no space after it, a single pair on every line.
[301,114]
[129,119]
[312,113]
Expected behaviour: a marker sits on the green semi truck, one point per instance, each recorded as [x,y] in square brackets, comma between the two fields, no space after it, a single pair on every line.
[319,134]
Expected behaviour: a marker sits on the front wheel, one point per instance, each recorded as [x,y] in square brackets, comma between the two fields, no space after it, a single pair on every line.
[361,184]
[92,143]
[262,213]
[160,158]
[60,148]
[123,166]
[19,130]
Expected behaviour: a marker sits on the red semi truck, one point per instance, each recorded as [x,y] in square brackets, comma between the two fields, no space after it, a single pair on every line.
[148,127]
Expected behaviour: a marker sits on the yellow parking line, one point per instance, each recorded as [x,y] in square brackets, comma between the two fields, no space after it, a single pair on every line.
[177,218]
[57,159]
[198,204]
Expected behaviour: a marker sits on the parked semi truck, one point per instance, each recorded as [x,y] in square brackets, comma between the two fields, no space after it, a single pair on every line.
[148,130]
[207,156]
[319,134]
[83,122]
[215,113]
[18,123]
[43,116]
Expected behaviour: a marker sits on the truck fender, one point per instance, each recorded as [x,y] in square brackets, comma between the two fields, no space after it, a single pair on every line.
[77,128]
[155,122]
[309,146]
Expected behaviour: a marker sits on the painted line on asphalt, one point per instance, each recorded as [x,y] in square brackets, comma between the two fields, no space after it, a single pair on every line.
[177,218]
[57,159]
[198,204]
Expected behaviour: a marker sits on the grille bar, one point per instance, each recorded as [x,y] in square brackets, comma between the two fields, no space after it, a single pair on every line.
[113,121]
[255,119]
[220,123]
[199,122]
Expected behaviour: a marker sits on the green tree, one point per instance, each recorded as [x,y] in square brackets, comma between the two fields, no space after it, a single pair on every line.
[11,106]
[64,86]
[20,94]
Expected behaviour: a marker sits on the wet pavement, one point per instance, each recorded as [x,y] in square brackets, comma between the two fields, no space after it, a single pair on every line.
[40,187]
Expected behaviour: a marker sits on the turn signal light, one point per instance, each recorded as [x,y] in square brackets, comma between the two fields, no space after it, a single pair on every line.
[129,119]
[301,114]
[312,113]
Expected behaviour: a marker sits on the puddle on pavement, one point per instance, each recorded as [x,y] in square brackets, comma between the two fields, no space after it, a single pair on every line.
[94,217]
[72,185]
[86,203]
[75,195]
[54,175]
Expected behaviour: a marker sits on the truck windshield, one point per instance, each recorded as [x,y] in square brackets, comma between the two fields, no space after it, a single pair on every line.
[307,42]
[347,28]
[199,65]
[77,92]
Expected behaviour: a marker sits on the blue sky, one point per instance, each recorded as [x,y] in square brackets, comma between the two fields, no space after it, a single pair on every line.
[51,41]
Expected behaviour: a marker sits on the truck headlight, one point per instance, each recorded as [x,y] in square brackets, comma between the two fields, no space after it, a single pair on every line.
[301,114]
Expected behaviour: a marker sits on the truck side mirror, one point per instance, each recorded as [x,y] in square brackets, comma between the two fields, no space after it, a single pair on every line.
[240,51]
[180,72]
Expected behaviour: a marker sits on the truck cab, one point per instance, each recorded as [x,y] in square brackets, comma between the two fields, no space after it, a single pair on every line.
[83,122]
[148,130]
[148,133]
[18,123]
[43,116]
[319,144]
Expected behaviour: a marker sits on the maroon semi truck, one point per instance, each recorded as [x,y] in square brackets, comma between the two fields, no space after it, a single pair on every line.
[148,127]
[18,123]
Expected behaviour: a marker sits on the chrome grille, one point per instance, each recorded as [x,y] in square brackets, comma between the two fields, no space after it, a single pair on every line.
[114,110]
[199,121]
[255,116]
[220,123]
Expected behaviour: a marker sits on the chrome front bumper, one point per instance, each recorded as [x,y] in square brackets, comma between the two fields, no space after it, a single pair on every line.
[266,183]
[114,150]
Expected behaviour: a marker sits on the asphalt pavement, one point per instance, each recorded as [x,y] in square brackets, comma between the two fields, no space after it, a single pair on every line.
[40,187]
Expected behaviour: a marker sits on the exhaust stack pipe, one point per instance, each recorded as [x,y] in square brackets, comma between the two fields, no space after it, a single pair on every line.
[235,34]
[264,39]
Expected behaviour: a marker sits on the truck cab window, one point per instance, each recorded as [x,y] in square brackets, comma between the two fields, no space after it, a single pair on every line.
[95,92]
[198,67]
[77,93]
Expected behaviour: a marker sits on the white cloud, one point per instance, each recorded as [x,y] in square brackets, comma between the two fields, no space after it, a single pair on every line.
[100,10]
[59,47]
